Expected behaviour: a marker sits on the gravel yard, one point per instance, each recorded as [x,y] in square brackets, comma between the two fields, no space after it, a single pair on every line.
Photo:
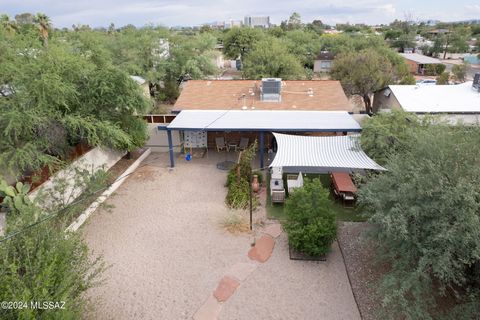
[359,259]
[167,252]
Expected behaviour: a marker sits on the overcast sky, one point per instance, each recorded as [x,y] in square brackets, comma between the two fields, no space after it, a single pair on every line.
[195,12]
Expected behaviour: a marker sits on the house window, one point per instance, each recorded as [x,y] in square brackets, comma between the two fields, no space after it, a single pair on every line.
[326,64]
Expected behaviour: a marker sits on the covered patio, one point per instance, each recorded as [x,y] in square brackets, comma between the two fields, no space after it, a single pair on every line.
[259,123]
[336,155]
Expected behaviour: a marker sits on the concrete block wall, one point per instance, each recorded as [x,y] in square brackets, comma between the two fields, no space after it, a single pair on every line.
[94,160]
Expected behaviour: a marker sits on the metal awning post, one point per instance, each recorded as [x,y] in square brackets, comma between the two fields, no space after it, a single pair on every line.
[170,148]
[262,149]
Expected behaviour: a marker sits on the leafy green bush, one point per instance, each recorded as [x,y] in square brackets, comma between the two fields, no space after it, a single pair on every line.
[426,209]
[238,181]
[434,69]
[40,263]
[443,78]
[310,221]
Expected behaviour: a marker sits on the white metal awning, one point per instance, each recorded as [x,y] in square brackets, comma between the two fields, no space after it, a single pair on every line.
[264,120]
[321,154]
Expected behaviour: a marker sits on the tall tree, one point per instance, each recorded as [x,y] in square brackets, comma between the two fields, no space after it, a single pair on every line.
[239,42]
[362,73]
[10,26]
[43,23]
[426,212]
[270,58]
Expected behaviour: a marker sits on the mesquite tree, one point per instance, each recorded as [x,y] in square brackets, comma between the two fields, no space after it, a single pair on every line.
[426,209]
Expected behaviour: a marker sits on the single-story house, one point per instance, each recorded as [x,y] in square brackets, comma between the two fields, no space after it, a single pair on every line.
[229,111]
[323,62]
[418,62]
[458,103]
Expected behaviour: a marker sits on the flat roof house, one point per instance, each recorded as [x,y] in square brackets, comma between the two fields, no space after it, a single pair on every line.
[418,62]
[323,62]
[456,102]
[236,110]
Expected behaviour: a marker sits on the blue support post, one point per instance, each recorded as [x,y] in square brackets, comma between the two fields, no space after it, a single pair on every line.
[170,148]
[261,146]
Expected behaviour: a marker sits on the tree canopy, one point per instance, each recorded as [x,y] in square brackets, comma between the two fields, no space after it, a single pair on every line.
[362,73]
[61,95]
[426,212]
[271,59]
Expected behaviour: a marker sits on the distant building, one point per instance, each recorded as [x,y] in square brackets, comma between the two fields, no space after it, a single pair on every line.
[456,103]
[437,32]
[323,62]
[417,62]
[257,22]
[233,23]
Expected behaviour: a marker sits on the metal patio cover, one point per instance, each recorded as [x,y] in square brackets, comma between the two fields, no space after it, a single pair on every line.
[263,120]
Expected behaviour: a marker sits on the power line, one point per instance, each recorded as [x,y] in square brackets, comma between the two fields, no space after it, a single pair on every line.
[58,212]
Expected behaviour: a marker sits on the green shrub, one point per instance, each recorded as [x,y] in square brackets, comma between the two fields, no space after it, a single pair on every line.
[310,221]
[238,181]
[41,263]
[443,78]
[434,69]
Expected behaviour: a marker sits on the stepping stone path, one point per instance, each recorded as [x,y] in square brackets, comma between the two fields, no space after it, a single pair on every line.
[263,249]
[210,309]
[225,288]
[274,229]
[238,273]
[241,271]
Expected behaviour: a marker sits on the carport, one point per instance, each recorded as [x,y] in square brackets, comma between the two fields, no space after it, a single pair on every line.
[261,121]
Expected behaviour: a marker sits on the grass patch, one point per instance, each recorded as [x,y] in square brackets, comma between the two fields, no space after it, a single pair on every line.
[276,211]
[235,223]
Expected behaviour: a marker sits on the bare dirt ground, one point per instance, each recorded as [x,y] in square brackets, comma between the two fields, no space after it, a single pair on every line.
[167,252]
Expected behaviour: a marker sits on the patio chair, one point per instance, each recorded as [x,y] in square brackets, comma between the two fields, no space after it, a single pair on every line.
[348,200]
[220,143]
[278,196]
[243,143]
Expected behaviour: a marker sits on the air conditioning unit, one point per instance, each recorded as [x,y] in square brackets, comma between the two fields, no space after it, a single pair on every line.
[271,90]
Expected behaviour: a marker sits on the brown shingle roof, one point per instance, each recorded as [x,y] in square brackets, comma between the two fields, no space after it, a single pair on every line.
[296,95]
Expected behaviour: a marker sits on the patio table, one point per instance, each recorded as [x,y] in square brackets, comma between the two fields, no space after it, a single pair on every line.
[343,183]
[232,145]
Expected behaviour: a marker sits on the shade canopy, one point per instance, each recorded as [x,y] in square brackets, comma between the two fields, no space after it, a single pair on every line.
[315,154]
[263,120]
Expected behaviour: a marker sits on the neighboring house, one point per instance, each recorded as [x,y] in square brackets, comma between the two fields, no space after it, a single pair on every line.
[323,62]
[458,103]
[257,22]
[418,62]
[144,84]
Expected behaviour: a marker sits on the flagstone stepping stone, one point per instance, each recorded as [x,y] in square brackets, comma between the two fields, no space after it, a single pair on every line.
[263,249]
[225,288]
[242,270]
[209,310]
[274,229]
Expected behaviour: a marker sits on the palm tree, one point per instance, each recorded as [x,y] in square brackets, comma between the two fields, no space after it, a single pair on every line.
[43,22]
[10,26]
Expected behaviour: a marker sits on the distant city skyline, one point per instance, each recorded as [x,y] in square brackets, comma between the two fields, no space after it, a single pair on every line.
[197,12]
